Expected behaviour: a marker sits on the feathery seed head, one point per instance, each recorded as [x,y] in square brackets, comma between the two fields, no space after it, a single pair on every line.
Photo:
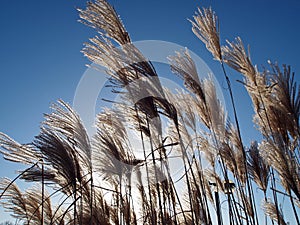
[205,27]
[235,56]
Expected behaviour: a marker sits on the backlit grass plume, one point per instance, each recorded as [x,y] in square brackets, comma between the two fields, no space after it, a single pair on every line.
[206,28]
[162,156]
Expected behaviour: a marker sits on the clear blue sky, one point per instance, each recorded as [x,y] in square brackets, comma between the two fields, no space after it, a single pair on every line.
[40,43]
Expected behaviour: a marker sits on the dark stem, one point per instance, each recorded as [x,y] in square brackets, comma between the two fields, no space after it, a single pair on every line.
[17,177]
[156,175]
[218,207]
[186,173]
[43,191]
[146,165]
[240,138]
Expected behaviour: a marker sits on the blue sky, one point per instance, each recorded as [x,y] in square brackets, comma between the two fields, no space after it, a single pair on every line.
[40,43]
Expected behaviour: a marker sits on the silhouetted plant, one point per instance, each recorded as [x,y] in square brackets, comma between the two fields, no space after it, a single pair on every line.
[103,180]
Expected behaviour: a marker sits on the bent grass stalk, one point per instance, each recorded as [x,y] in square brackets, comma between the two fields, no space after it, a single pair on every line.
[65,149]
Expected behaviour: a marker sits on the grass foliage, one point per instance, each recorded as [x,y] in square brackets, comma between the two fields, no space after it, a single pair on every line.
[113,178]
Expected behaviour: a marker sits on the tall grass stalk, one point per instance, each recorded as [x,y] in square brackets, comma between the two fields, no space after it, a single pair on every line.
[101,180]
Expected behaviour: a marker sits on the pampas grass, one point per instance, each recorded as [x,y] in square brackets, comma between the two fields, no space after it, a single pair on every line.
[111,178]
